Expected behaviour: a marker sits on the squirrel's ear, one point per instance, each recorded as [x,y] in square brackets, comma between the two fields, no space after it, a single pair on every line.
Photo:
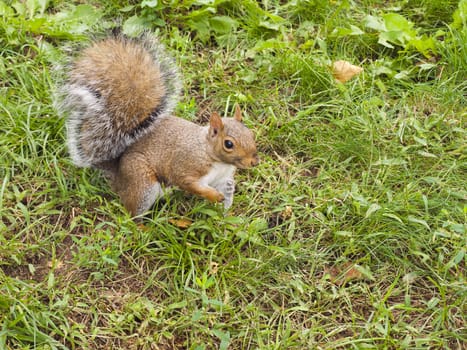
[238,113]
[215,123]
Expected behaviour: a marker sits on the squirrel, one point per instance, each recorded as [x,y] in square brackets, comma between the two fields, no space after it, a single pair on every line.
[118,98]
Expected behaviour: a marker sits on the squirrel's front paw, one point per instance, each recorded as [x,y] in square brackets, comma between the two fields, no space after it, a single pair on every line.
[219,197]
[228,201]
[214,196]
[229,189]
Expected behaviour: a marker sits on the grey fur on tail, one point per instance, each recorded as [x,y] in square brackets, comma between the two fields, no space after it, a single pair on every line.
[94,135]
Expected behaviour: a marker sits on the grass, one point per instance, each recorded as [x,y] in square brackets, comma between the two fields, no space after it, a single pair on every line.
[350,234]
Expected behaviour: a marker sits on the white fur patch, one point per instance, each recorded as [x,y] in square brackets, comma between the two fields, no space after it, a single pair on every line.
[94,133]
[149,197]
[219,174]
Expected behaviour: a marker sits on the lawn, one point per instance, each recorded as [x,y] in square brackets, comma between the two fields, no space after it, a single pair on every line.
[350,234]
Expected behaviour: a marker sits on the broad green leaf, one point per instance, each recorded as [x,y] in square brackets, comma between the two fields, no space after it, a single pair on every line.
[127,8]
[402,75]
[36,7]
[223,24]
[5,10]
[201,14]
[460,15]
[35,25]
[257,225]
[234,220]
[20,8]
[135,25]
[372,209]
[393,37]
[341,32]
[203,2]
[87,13]
[77,21]
[375,23]
[456,259]
[356,30]
[247,75]
[196,315]
[384,70]
[224,337]
[396,22]
[459,228]
[353,30]
[201,26]
[149,3]
[110,260]
[269,25]
[425,45]
[421,141]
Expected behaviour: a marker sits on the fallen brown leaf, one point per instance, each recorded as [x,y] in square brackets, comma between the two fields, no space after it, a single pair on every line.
[343,273]
[344,71]
[213,267]
[58,264]
[181,223]
[287,212]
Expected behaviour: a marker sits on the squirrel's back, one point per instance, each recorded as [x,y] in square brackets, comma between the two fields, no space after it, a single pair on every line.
[115,92]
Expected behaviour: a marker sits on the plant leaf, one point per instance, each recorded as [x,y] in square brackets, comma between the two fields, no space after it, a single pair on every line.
[372,209]
[460,15]
[344,71]
[222,24]
[149,3]
[135,25]
[396,22]
[375,23]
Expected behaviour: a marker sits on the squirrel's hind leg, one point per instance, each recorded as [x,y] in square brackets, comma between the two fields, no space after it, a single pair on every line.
[149,196]
[137,184]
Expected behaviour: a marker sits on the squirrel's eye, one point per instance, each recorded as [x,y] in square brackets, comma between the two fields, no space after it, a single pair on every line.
[228,144]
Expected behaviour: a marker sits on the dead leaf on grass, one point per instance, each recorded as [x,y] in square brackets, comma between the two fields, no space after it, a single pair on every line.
[341,274]
[58,264]
[181,223]
[344,71]
[213,267]
[143,227]
[287,212]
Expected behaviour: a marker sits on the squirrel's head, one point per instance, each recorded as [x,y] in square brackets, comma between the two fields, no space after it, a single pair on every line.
[232,141]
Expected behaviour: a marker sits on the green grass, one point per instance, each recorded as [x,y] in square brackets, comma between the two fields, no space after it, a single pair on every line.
[350,234]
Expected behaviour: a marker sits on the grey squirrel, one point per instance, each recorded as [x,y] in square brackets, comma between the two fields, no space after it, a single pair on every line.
[118,97]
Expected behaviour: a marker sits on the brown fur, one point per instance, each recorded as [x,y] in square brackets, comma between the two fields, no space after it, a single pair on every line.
[124,74]
[119,98]
[179,152]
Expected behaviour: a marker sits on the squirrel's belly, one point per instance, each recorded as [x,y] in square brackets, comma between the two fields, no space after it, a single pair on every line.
[218,174]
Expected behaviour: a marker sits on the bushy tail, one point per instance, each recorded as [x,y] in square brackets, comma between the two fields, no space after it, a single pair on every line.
[115,92]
